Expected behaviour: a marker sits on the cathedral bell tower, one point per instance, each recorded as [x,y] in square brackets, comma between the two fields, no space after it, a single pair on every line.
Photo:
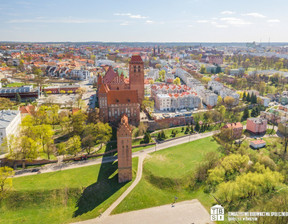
[136,76]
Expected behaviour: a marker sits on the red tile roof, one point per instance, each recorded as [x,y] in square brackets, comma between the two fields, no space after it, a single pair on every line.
[234,125]
[136,59]
[258,142]
[109,76]
[122,97]
[27,109]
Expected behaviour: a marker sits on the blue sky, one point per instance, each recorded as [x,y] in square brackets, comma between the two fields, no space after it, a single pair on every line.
[132,20]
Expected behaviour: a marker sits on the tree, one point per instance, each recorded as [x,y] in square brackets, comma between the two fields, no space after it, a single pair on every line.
[5,180]
[147,138]
[44,135]
[93,116]
[202,69]
[218,69]
[244,96]
[219,100]
[18,98]
[74,145]
[26,150]
[147,103]
[162,75]
[77,122]
[245,114]
[229,101]
[94,134]
[176,81]
[248,98]
[206,79]
[6,104]
[197,127]
[163,136]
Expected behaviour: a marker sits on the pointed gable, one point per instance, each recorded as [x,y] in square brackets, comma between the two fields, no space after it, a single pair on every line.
[109,76]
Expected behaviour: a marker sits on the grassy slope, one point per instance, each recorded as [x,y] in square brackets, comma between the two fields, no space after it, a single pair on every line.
[167,174]
[57,197]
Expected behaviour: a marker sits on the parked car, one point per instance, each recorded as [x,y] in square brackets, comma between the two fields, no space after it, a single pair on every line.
[79,158]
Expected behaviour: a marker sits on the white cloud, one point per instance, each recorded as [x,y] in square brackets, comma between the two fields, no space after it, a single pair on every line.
[130,15]
[227,12]
[235,21]
[254,14]
[149,22]
[202,21]
[124,23]
[221,26]
[57,20]
[273,21]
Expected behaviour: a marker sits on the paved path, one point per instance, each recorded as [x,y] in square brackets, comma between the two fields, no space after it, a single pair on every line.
[186,212]
[90,162]
[121,198]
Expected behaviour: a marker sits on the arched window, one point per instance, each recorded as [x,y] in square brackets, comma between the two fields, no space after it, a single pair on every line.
[134,68]
[139,68]
[117,88]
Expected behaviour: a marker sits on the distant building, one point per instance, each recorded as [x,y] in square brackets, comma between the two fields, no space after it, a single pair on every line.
[256,125]
[258,144]
[209,98]
[24,92]
[237,129]
[60,89]
[124,150]
[265,101]
[9,123]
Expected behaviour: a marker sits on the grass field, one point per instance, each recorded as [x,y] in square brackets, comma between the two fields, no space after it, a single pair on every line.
[167,174]
[16,84]
[63,196]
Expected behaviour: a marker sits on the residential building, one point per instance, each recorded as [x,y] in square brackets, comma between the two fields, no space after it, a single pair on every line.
[256,125]
[9,123]
[24,91]
[236,128]
[256,144]
[265,101]
[209,98]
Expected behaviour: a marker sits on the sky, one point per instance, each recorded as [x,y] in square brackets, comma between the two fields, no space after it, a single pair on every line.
[144,21]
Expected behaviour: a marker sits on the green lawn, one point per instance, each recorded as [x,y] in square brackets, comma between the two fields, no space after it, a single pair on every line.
[63,196]
[16,84]
[167,173]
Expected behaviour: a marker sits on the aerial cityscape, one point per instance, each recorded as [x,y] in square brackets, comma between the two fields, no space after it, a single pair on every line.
[128,113]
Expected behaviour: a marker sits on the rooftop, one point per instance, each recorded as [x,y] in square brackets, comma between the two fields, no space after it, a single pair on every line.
[6,116]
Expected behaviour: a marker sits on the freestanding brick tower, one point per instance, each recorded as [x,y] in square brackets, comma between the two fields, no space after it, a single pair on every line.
[124,148]
[136,76]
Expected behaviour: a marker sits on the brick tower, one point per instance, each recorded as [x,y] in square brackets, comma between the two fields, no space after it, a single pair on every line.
[136,76]
[124,149]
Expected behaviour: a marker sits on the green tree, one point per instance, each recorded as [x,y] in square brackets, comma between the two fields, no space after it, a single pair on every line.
[74,145]
[6,104]
[245,114]
[197,127]
[176,81]
[6,174]
[18,98]
[202,69]
[147,138]
[77,122]
[163,136]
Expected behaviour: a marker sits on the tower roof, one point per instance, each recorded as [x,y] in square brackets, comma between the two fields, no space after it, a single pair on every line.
[136,59]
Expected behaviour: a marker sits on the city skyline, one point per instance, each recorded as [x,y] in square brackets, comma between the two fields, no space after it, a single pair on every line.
[161,21]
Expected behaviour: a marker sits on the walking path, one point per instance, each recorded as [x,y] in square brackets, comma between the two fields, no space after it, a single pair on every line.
[90,162]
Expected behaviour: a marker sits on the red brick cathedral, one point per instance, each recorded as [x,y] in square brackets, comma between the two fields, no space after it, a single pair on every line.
[117,96]
[124,149]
